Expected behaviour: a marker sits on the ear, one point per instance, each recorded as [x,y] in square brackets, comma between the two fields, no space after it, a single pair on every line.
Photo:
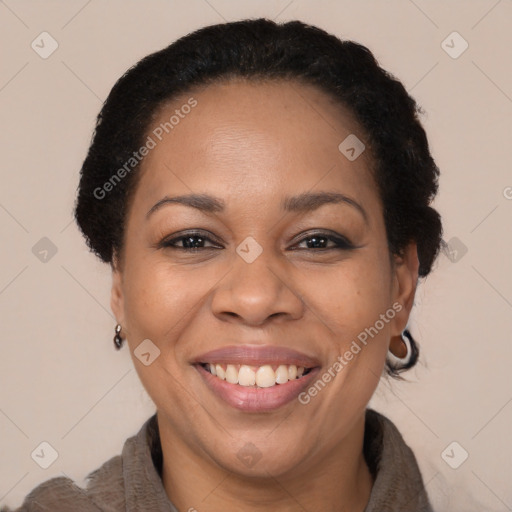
[116,294]
[405,280]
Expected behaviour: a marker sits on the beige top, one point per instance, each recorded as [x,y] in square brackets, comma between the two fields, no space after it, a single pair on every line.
[131,482]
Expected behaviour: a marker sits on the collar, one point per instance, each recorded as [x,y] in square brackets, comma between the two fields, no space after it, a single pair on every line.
[398,484]
[131,481]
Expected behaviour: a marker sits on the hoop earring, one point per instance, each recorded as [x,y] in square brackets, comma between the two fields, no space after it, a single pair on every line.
[398,362]
[118,341]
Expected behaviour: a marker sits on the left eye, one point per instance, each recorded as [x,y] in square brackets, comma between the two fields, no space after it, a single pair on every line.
[321,240]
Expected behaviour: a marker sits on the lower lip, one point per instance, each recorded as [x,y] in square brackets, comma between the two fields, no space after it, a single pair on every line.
[250,399]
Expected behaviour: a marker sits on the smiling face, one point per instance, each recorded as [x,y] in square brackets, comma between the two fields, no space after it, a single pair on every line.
[267,157]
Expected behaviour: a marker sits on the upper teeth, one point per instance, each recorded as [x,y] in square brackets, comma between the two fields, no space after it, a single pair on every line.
[261,376]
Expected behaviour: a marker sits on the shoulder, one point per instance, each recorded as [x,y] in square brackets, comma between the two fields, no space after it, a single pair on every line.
[108,488]
[398,482]
[102,493]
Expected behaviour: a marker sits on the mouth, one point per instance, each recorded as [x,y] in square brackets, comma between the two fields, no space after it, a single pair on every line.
[264,376]
[254,378]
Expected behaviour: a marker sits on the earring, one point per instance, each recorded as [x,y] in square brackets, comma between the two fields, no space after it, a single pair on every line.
[118,341]
[398,362]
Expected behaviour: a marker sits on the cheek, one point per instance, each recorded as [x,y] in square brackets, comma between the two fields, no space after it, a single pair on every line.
[161,297]
[351,295]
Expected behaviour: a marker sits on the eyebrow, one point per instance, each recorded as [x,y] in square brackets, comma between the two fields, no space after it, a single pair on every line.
[202,202]
[306,202]
[312,200]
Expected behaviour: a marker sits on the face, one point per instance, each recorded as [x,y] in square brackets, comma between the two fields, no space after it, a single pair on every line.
[276,259]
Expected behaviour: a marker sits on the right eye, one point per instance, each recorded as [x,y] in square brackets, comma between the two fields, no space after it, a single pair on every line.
[190,242]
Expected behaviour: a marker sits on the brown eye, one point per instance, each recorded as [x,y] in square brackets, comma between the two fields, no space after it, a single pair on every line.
[320,240]
[191,242]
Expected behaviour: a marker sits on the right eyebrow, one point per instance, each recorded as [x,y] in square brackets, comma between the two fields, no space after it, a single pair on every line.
[202,202]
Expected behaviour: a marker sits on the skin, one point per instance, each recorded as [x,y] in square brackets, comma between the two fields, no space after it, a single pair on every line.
[252,144]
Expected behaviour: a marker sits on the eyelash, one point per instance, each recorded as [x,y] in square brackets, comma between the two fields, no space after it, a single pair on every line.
[341,242]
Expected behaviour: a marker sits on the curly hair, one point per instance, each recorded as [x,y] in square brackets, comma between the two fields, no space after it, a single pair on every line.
[403,168]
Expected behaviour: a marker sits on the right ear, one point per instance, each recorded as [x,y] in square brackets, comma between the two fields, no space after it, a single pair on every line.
[116,294]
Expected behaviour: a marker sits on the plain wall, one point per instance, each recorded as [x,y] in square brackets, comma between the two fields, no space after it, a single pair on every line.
[61,379]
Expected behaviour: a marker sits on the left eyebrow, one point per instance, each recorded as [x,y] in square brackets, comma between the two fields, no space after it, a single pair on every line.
[312,200]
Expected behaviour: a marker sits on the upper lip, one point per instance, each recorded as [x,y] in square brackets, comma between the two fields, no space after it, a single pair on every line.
[257,355]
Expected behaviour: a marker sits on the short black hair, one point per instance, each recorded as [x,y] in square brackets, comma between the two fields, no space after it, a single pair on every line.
[403,168]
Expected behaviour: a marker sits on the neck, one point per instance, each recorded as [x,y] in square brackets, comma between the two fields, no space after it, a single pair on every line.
[335,480]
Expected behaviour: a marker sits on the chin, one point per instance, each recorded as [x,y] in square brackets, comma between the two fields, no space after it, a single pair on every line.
[259,459]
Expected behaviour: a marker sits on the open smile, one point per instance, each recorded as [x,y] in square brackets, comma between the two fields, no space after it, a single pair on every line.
[256,378]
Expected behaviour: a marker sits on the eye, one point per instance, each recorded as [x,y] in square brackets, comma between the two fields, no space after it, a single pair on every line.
[197,241]
[320,240]
[190,242]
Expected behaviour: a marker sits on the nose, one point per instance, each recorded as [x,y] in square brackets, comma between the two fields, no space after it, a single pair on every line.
[254,293]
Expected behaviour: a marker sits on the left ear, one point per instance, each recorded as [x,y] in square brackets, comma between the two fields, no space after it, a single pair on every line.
[405,280]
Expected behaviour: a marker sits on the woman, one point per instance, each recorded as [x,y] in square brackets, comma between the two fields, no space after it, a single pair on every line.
[262,193]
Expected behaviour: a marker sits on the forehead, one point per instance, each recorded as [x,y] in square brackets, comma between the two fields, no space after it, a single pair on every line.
[259,137]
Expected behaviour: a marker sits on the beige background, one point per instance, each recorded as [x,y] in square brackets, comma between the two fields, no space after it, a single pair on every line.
[61,380]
